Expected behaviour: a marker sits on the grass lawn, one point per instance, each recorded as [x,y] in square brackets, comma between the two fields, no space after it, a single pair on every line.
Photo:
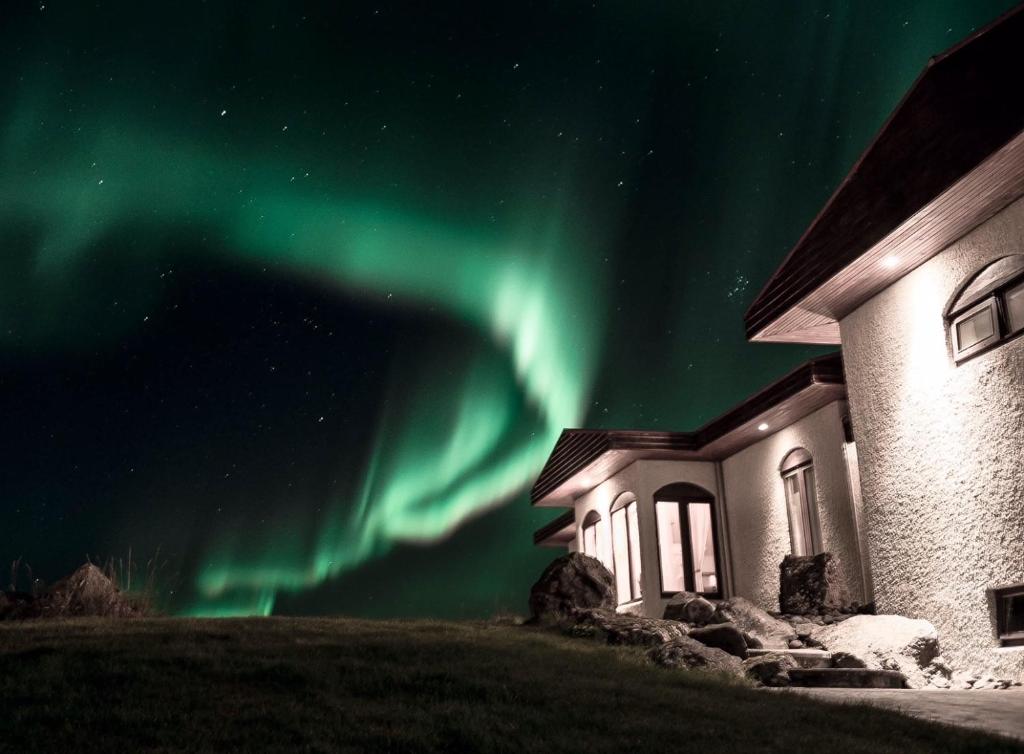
[330,685]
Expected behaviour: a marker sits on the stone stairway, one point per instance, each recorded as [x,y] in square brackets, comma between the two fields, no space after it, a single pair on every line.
[815,670]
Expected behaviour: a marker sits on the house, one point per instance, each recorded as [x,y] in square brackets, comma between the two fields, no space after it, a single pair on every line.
[904,457]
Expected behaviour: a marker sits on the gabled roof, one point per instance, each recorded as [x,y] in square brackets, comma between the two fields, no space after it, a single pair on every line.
[583,458]
[949,157]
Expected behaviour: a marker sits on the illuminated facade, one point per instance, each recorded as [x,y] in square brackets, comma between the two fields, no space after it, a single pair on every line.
[915,268]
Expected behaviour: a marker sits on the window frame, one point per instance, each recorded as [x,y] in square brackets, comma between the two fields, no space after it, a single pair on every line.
[1011,287]
[990,294]
[623,505]
[591,520]
[962,354]
[682,502]
[799,471]
[1003,596]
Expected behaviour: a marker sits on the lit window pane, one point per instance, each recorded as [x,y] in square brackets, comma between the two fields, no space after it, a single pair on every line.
[620,554]
[634,547]
[797,515]
[975,328]
[670,546]
[810,505]
[590,540]
[702,545]
[1015,307]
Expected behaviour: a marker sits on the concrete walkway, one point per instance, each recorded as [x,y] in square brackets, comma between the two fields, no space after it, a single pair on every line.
[1000,712]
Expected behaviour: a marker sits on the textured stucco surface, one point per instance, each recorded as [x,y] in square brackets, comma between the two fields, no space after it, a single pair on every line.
[642,479]
[941,452]
[753,527]
[756,501]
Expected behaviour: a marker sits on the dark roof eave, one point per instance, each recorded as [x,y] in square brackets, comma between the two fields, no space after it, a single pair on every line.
[580,449]
[963,101]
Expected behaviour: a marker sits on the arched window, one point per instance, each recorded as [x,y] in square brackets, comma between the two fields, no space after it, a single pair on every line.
[687,540]
[626,548]
[590,540]
[798,477]
[988,309]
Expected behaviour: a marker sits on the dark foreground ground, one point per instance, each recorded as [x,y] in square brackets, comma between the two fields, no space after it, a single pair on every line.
[329,685]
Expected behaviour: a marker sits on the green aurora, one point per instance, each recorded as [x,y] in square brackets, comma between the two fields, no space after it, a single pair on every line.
[568,222]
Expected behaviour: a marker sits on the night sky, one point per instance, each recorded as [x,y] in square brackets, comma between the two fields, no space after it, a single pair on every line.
[299,295]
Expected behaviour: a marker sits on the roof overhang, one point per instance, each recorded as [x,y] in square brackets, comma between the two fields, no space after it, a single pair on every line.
[557,533]
[949,157]
[584,458]
[972,200]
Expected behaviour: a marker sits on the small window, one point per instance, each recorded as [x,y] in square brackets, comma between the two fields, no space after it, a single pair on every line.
[975,330]
[1010,615]
[801,504]
[988,309]
[626,550]
[687,540]
[1015,308]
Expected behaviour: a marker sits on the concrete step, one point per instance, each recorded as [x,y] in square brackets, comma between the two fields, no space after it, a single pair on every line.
[847,678]
[805,658]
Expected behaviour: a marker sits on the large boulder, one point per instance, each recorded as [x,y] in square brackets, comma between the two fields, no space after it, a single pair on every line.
[621,628]
[724,636]
[570,583]
[885,642]
[688,654]
[812,584]
[86,592]
[689,608]
[772,633]
[770,669]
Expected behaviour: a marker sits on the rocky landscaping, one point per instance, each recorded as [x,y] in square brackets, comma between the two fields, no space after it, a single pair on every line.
[821,641]
[88,592]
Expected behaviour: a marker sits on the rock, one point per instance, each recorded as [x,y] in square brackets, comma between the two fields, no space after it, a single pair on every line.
[847,660]
[885,642]
[749,618]
[941,667]
[570,583]
[724,636]
[689,608]
[86,592]
[689,654]
[620,628]
[752,641]
[812,584]
[796,644]
[940,682]
[770,669]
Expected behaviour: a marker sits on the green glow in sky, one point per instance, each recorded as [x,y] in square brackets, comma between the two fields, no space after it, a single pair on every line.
[475,433]
[502,219]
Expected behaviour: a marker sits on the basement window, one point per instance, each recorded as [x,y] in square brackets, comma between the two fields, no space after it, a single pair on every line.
[1010,615]
[988,309]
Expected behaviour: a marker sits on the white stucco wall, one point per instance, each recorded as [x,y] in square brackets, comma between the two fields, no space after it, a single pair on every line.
[942,451]
[755,499]
[642,479]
